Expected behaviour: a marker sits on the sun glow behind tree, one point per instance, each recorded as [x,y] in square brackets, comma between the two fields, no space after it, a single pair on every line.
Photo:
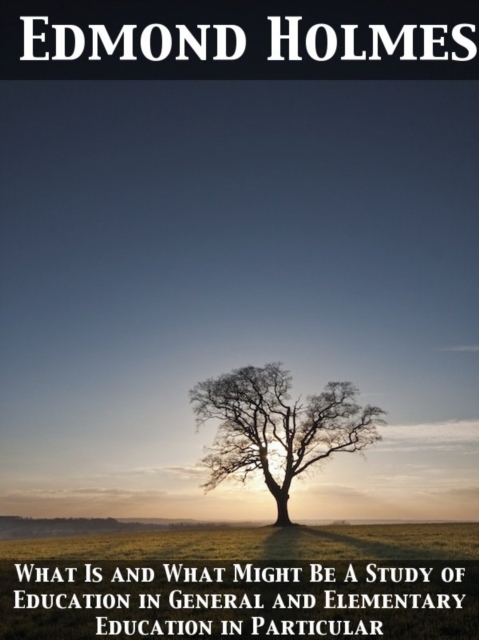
[262,431]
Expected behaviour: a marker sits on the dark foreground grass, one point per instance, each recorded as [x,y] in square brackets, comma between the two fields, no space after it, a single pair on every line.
[431,547]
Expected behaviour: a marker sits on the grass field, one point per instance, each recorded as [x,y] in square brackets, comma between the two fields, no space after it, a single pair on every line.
[333,543]
[434,546]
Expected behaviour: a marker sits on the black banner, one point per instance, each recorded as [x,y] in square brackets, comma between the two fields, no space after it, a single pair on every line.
[211,39]
[415,600]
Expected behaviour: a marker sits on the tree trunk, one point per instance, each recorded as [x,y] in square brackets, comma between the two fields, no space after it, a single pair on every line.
[283,515]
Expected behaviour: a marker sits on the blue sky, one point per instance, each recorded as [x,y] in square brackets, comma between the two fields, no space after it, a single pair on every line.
[158,233]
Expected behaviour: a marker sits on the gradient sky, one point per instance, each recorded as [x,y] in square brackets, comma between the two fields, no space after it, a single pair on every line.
[158,233]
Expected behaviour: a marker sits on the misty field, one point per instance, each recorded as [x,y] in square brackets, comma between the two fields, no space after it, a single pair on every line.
[432,546]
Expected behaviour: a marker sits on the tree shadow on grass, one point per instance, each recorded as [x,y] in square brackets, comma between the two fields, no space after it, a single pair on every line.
[282,543]
[371,549]
[295,543]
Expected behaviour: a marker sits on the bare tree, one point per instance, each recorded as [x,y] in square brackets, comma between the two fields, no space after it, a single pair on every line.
[261,430]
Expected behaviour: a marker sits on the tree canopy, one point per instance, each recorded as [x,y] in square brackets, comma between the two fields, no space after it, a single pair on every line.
[261,430]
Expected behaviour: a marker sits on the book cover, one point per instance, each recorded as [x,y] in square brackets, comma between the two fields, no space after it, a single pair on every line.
[238,242]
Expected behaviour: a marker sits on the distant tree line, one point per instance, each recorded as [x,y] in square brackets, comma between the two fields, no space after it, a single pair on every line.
[17,527]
